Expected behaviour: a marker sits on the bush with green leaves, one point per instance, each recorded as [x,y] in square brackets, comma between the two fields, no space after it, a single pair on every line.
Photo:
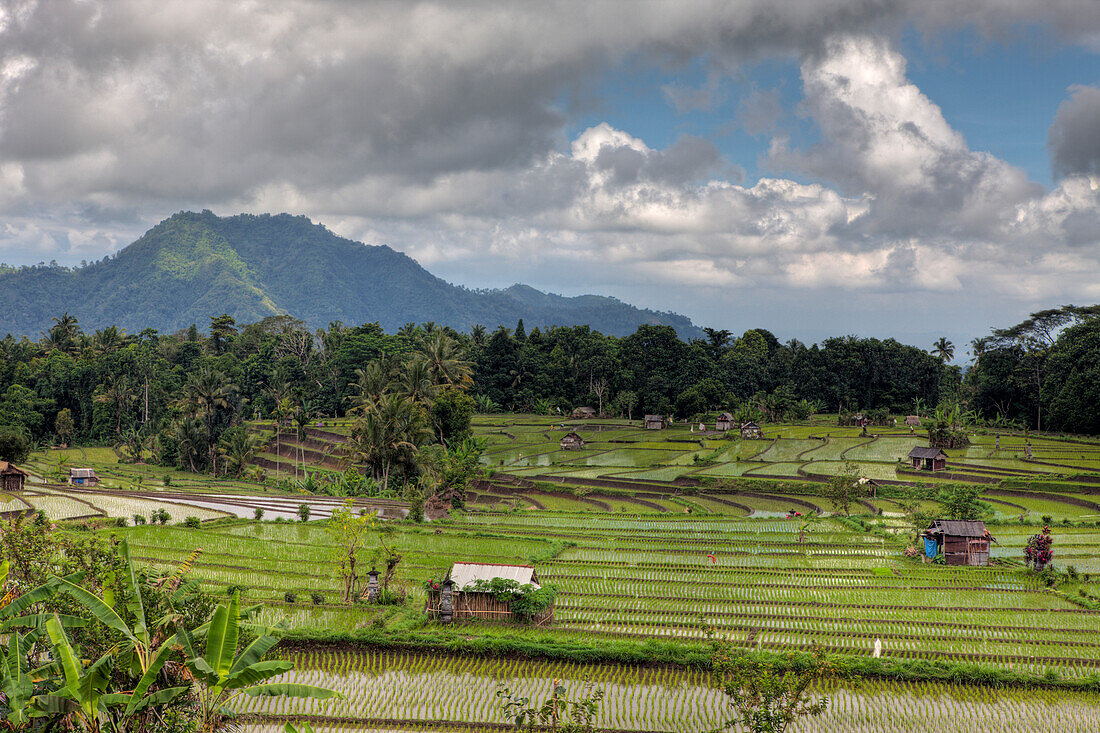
[303,512]
[192,522]
[526,601]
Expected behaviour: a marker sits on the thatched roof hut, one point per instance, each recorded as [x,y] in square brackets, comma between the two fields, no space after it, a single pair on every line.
[751,431]
[654,422]
[724,422]
[583,413]
[11,477]
[83,477]
[962,543]
[928,459]
[572,441]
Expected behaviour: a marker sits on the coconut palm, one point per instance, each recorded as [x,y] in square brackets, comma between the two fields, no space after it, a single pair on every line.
[415,381]
[389,434]
[477,334]
[943,349]
[444,357]
[372,382]
[209,396]
[64,334]
[118,390]
[239,446]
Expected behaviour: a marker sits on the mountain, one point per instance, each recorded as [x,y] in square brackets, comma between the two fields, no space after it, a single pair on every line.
[195,265]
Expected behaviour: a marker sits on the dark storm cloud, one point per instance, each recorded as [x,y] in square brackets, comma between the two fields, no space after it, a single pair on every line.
[1074,137]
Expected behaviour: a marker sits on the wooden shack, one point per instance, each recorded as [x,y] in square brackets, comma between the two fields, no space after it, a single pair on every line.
[11,478]
[469,603]
[928,459]
[654,422]
[724,422]
[83,477]
[572,441]
[751,431]
[583,413]
[913,421]
[962,543]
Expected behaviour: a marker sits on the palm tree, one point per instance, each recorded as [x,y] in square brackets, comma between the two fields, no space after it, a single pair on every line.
[108,340]
[63,334]
[943,349]
[389,434]
[373,381]
[445,361]
[415,381]
[208,396]
[239,446]
[477,334]
[117,391]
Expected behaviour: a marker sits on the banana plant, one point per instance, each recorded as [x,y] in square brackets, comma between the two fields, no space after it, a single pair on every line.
[15,683]
[138,652]
[223,675]
[83,690]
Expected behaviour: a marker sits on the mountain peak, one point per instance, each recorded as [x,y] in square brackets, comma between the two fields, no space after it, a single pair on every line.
[194,265]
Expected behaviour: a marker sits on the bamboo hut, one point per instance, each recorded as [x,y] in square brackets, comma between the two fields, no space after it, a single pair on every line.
[654,422]
[83,477]
[572,441]
[751,431]
[583,413]
[465,602]
[928,459]
[724,422]
[962,543]
[11,478]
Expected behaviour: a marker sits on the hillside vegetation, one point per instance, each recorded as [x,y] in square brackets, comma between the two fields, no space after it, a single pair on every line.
[251,267]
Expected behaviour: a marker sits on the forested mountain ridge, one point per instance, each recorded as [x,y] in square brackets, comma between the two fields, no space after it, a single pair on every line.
[193,265]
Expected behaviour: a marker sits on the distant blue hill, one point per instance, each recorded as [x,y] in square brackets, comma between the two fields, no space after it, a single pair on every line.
[195,265]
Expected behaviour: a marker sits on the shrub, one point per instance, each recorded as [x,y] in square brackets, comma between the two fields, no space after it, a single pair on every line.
[120,522]
[40,519]
[192,522]
[317,598]
[258,514]
[167,479]
[160,516]
[290,597]
[235,588]
[139,519]
[303,512]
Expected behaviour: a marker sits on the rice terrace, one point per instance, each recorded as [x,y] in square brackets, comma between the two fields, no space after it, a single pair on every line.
[656,543]
[617,366]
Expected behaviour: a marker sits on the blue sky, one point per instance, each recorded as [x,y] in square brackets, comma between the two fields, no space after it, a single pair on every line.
[904,168]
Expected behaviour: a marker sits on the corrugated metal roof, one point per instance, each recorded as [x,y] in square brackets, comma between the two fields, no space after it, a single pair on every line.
[82,472]
[919,452]
[467,573]
[958,528]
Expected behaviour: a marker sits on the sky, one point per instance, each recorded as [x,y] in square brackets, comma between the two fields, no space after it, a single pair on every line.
[904,168]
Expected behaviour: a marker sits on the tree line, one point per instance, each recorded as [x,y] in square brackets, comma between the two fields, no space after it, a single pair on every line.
[196,388]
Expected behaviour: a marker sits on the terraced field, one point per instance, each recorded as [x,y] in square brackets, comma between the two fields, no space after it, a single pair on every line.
[658,535]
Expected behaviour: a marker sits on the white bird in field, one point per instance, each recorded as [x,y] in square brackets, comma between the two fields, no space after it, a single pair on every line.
[878,649]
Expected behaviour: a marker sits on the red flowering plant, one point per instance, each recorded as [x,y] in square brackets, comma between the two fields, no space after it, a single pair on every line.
[1039,552]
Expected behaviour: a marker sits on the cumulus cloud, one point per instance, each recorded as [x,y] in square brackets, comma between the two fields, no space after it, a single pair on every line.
[1074,137]
[440,129]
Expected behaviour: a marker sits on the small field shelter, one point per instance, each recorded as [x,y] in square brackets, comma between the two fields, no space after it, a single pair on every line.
[11,478]
[928,459]
[654,422]
[962,543]
[724,422]
[751,431]
[572,441]
[468,603]
[83,477]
